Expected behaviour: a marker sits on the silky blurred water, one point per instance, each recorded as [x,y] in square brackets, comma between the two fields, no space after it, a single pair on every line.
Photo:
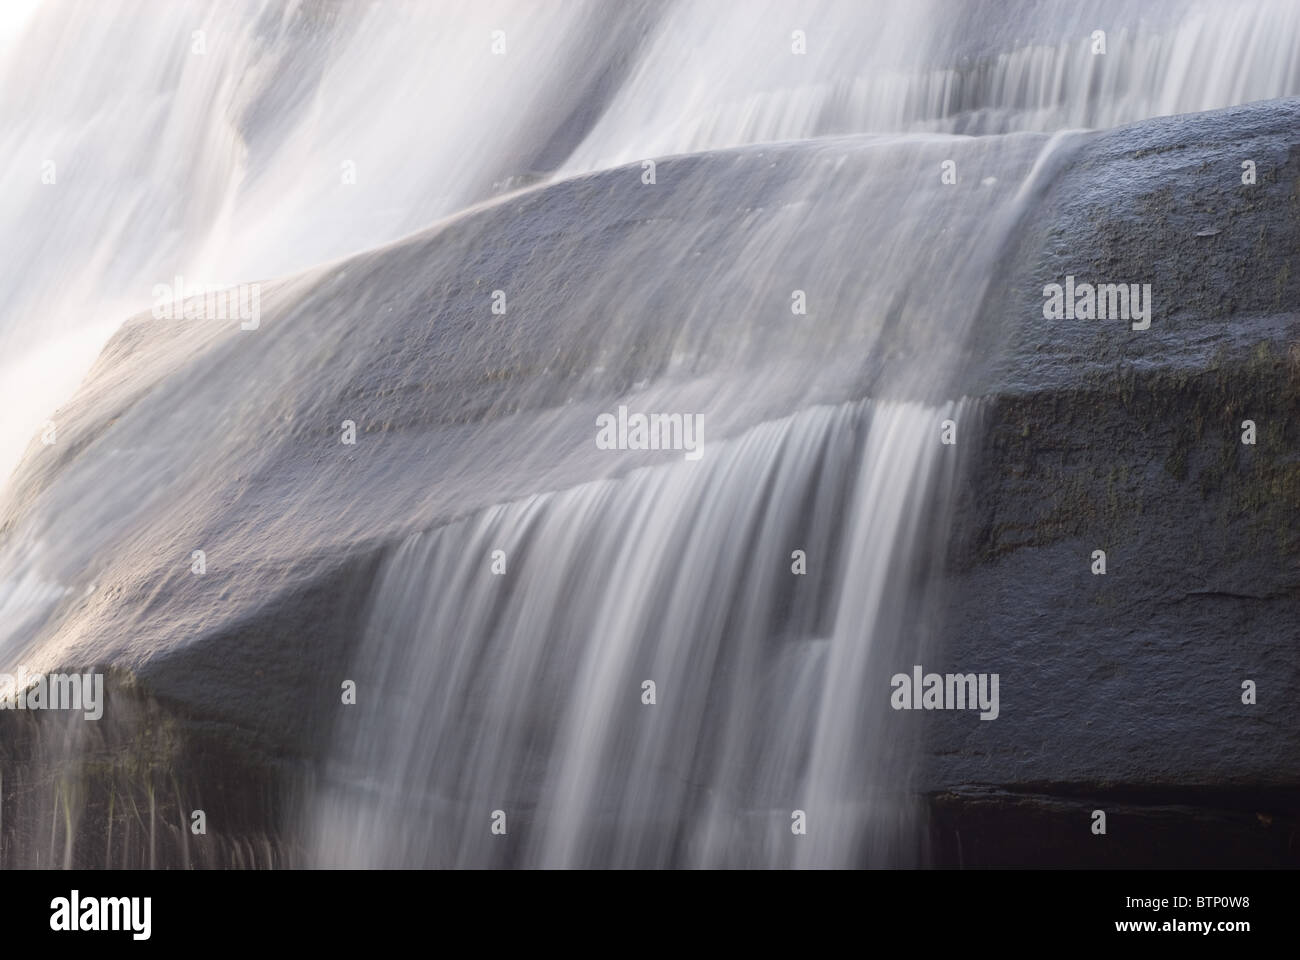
[240,142]
[526,692]
[226,166]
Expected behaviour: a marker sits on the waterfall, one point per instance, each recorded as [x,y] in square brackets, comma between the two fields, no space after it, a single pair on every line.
[526,691]
[304,143]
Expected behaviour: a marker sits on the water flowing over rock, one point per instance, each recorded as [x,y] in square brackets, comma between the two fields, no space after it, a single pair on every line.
[801,275]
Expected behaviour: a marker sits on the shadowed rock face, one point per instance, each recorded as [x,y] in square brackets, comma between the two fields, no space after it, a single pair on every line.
[1119,692]
[1129,697]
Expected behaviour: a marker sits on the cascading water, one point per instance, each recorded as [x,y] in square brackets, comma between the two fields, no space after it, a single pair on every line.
[226,165]
[527,692]
[520,691]
[235,142]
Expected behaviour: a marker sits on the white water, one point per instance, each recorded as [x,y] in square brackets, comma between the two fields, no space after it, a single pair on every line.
[227,166]
[524,692]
